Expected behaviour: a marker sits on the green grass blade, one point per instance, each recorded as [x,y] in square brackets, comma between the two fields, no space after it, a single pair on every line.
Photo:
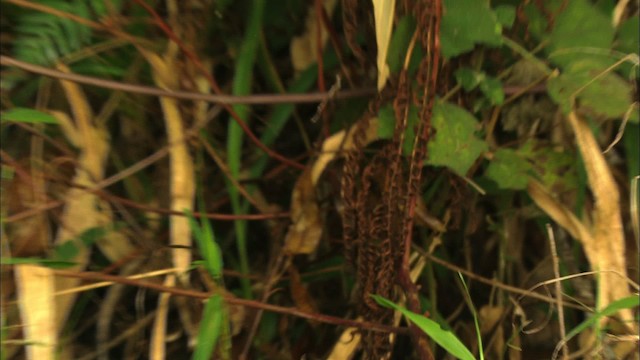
[446,339]
[475,315]
[30,116]
[206,241]
[629,302]
[242,86]
[210,328]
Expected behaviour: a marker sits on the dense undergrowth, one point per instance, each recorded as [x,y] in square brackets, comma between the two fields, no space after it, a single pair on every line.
[469,167]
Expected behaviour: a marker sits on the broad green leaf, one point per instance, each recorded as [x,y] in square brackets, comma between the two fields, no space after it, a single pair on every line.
[386,122]
[25,115]
[628,37]
[468,78]
[454,145]
[579,30]
[537,22]
[628,42]
[509,170]
[210,328]
[446,339]
[608,95]
[386,126]
[506,15]
[400,43]
[555,169]
[466,23]
[66,251]
[491,87]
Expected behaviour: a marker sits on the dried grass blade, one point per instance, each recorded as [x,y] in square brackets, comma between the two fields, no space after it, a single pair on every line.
[35,298]
[608,235]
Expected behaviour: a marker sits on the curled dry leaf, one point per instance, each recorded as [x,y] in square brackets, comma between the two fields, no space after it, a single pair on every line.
[340,142]
[304,234]
[300,294]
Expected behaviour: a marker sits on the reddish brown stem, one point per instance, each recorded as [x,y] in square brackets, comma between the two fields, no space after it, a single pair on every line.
[232,300]
[214,85]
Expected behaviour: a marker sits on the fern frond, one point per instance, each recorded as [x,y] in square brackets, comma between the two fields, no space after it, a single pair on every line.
[43,38]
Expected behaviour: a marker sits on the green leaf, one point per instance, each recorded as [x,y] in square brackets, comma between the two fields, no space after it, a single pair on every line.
[608,95]
[628,38]
[446,339]
[454,145]
[68,250]
[65,251]
[629,302]
[466,23]
[54,264]
[43,38]
[537,22]
[386,126]
[400,43]
[555,169]
[206,241]
[468,78]
[26,115]
[506,15]
[386,122]
[210,328]
[509,170]
[579,30]
[491,87]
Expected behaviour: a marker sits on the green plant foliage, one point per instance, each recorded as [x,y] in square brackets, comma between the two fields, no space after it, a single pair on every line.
[400,43]
[446,339]
[490,87]
[537,22]
[466,23]
[454,145]
[631,302]
[386,126]
[54,264]
[554,168]
[210,328]
[468,78]
[25,115]
[208,246]
[69,249]
[44,38]
[628,37]
[509,170]
[506,15]
[608,95]
[579,29]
